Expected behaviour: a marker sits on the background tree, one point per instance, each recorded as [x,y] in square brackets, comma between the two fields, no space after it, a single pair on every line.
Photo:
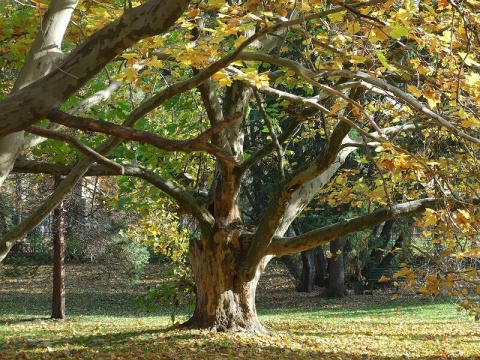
[58,294]
[370,75]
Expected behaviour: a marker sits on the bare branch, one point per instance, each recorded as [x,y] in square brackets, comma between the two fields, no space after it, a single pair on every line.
[77,144]
[200,143]
[184,198]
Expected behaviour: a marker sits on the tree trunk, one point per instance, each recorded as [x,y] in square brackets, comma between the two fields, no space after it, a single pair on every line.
[336,282]
[308,272]
[58,295]
[225,301]
[320,268]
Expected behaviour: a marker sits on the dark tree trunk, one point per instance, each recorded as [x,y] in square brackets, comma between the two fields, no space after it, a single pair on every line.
[336,281]
[58,295]
[308,272]
[321,274]
[225,302]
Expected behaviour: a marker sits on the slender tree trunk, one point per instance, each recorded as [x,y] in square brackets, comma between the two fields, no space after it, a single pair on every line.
[58,296]
[336,282]
[225,301]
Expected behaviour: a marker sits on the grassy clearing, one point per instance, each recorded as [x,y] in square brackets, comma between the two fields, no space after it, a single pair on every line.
[103,323]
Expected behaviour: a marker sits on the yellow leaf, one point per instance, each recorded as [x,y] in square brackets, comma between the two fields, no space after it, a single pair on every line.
[399,31]
[356,59]
[216,4]
[473,79]
[423,290]
[432,97]
[472,253]
[382,58]
[129,75]
[336,17]
[429,218]
[468,59]
[403,272]
[222,78]
[414,91]
[130,56]
[384,279]
[353,27]
[478,289]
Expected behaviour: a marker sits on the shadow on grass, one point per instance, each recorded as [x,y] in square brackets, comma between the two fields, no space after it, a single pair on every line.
[88,303]
[22,320]
[348,309]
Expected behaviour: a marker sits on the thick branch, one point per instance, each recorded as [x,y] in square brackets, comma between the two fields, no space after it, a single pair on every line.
[281,246]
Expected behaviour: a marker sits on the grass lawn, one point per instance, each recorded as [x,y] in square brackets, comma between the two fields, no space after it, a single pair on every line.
[104,324]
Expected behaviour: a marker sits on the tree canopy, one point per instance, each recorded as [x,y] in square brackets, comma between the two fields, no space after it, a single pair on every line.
[201,98]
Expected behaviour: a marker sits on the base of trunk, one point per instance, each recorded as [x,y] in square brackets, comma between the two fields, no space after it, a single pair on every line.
[253,327]
[225,300]
[334,293]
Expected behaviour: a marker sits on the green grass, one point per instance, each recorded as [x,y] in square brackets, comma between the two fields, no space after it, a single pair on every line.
[102,323]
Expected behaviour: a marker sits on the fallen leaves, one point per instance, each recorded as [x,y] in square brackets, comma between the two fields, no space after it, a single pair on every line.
[303,326]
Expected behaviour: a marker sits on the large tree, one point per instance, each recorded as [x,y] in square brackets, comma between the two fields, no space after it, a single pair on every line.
[390,83]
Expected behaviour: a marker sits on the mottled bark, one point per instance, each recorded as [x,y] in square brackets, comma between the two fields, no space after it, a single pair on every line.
[280,246]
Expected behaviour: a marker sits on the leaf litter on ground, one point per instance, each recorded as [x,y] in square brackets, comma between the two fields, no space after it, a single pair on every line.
[103,323]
